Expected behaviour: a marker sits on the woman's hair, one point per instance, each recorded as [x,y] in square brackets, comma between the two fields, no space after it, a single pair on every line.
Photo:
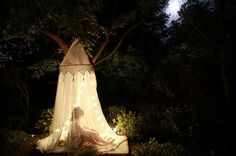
[77,113]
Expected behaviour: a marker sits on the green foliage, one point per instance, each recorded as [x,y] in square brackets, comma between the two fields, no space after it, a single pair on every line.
[69,19]
[115,110]
[152,147]
[151,113]
[23,35]
[44,123]
[177,122]
[193,36]
[12,138]
[189,49]
[16,137]
[41,68]
[123,66]
[16,52]
[127,123]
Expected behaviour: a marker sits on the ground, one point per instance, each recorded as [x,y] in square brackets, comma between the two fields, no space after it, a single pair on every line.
[27,148]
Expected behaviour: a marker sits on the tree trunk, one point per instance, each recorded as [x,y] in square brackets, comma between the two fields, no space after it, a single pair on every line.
[223,56]
[58,40]
[224,77]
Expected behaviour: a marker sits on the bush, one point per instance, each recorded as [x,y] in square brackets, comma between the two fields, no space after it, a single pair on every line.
[126,123]
[12,138]
[152,147]
[151,113]
[178,122]
[44,123]
[115,110]
[17,137]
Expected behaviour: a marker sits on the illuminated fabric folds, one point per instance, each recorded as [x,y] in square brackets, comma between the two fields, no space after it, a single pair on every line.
[79,124]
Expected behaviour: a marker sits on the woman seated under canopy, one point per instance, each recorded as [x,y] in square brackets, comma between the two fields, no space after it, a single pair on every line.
[80,136]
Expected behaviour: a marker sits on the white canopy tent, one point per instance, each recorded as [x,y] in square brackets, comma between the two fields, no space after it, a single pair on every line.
[78,122]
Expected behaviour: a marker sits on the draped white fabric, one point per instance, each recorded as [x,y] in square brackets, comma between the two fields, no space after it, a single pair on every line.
[78,122]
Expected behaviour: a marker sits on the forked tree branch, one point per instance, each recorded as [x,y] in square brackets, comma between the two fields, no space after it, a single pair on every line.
[100,49]
[58,40]
[119,43]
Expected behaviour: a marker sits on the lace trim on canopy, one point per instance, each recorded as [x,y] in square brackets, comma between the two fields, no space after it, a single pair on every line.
[73,69]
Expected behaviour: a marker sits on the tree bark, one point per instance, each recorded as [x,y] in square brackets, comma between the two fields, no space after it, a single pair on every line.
[223,55]
[100,49]
[224,76]
[58,40]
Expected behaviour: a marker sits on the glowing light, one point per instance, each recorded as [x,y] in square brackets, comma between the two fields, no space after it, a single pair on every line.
[67,123]
[74,103]
[99,118]
[94,104]
[77,102]
[174,6]
[114,129]
[93,82]
[81,90]
[82,85]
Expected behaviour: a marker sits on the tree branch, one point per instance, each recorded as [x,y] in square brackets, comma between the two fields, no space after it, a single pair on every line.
[100,49]
[58,40]
[203,34]
[119,43]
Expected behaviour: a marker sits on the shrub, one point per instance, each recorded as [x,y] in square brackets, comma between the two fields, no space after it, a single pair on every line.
[152,147]
[115,110]
[44,123]
[12,138]
[178,122]
[17,137]
[126,123]
[151,113]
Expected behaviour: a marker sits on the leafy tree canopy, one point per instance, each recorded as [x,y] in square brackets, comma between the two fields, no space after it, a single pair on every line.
[101,25]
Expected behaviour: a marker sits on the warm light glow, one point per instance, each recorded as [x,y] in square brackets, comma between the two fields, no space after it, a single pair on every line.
[114,129]
[67,123]
[93,82]
[77,102]
[81,91]
[94,104]
[78,112]
[82,85]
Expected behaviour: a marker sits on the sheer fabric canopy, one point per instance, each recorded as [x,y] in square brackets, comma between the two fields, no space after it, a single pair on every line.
[78,122]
